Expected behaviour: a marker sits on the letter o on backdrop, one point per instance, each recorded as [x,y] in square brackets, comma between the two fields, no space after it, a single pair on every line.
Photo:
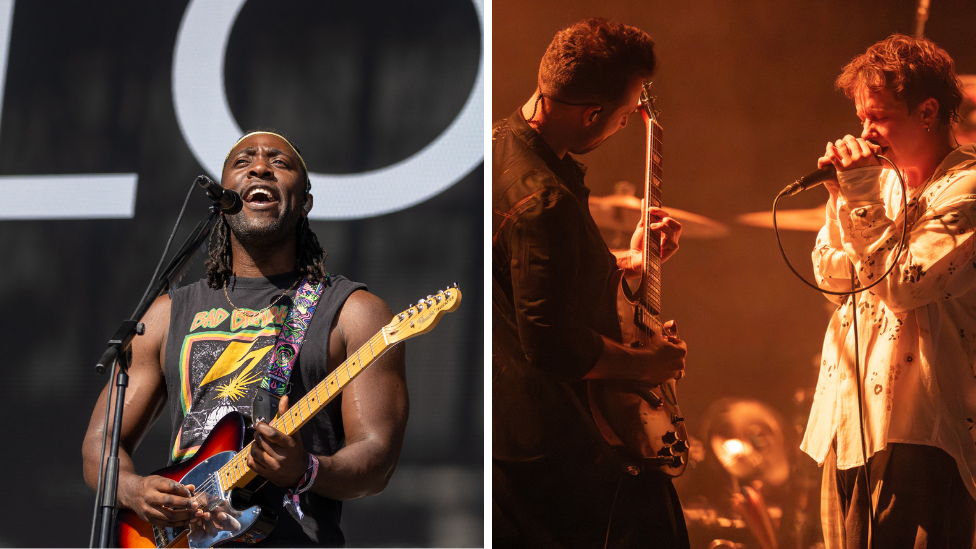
[209,127]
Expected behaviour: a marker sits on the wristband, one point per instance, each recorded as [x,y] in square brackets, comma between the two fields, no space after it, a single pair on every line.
[308,479]
[304,483]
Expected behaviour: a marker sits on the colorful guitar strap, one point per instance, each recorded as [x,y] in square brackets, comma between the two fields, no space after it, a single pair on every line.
[275,384]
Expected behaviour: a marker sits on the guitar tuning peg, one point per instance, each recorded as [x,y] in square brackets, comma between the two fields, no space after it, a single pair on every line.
[401,316]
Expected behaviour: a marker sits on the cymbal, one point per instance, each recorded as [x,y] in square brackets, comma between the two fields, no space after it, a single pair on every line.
[810,219]
[620,213]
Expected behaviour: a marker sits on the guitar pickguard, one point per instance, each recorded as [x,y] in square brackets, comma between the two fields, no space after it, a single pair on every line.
[227,523]
[249,525]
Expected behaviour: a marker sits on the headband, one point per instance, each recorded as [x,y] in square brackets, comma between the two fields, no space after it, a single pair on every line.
[308,183]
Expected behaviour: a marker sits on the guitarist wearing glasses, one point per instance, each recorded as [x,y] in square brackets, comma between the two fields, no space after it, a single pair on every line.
[206,353]
[556,481]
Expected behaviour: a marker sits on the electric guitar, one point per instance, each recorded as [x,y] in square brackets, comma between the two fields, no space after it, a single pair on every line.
[219,469]
[643,421]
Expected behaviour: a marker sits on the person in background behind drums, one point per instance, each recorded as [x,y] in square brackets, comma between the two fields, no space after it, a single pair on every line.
[916,331]
[556,483]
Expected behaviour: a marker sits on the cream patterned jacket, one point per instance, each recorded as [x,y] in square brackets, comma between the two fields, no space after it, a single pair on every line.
[917,329]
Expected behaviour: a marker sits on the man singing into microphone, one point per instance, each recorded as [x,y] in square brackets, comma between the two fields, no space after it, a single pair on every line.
[913,336]
[208,346]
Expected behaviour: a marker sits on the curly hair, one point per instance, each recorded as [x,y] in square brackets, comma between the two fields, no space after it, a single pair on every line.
[594,60]
[913,69]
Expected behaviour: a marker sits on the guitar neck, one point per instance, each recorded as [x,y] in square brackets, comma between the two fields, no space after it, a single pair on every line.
[649,296]
[236,473]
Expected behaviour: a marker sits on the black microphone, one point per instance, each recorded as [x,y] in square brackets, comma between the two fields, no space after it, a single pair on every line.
[815,178]
[229,201]
[810,180]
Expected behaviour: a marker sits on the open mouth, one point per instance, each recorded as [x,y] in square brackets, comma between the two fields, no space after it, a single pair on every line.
[260,195]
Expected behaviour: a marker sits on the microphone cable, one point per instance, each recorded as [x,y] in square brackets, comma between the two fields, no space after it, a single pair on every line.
[857,347]
[169,242]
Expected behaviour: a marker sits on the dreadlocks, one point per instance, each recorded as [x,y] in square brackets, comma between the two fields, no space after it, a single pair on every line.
[309,257]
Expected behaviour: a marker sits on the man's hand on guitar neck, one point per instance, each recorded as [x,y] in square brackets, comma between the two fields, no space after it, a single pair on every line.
[280,458]
[661,358]
[632,261]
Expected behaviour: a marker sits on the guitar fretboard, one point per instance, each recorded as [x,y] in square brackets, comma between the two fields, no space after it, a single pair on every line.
[648,310]
[235,473]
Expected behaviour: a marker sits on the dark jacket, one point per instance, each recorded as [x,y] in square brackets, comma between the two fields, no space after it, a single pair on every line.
[553,294]
[555,481]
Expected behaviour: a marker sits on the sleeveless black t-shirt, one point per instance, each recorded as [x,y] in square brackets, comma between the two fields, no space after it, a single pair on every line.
[216,358]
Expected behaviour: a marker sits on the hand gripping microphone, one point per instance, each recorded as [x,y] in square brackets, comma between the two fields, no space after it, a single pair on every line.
[229,201]
[815,178]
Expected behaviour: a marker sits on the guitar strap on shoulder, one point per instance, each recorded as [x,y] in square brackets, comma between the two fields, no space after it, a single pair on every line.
[275,384]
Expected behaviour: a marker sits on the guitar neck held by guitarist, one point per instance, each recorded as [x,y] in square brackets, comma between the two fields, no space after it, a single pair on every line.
[569,123]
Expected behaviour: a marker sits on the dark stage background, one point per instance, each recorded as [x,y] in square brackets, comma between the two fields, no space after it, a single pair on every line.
[359,87]
[747,100]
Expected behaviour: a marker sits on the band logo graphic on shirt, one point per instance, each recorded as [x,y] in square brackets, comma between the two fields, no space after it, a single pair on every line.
[220,371]
[208,319]
[240,318]
[240,371]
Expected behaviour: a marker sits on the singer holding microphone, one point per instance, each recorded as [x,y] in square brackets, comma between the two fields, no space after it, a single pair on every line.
[207,348]
[897,381]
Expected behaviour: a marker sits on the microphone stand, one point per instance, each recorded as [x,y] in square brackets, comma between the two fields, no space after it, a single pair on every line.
[120,350]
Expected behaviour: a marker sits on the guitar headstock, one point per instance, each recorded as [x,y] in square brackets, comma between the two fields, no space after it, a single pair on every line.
[648,112]
[423,316]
